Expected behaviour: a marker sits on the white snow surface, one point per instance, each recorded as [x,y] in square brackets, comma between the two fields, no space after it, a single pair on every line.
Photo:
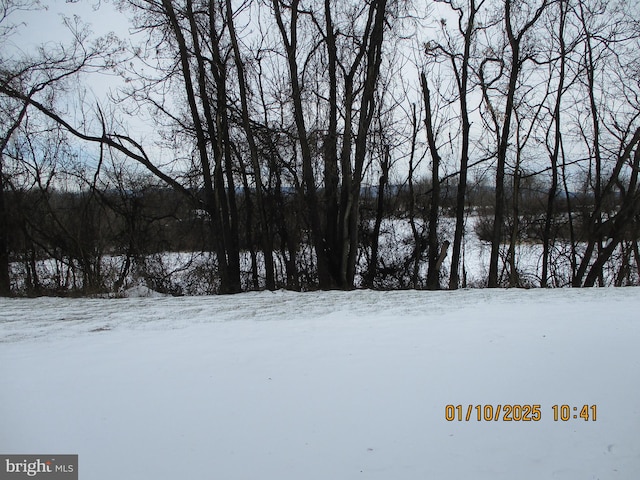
[325,385]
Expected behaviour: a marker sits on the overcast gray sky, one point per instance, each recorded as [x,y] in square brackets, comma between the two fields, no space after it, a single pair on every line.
[46,24]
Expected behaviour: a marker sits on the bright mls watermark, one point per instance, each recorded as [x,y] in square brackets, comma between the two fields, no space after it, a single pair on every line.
[49,467]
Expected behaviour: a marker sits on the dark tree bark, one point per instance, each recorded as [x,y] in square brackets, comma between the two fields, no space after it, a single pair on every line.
[331,175]
[593,241]
[433,273]
[335,232]
[290,41]
[462,79]
[367,109]
[250,231]
[555,152]
[288,245]
[5,281]
[417,235]
[514,277]
[215,199]
[613,230]
[375,238]
[515,40]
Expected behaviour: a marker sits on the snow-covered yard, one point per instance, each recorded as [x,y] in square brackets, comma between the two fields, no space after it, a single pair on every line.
[325,385]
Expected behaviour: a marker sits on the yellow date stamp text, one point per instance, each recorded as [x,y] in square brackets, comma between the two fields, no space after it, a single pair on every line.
[517,413]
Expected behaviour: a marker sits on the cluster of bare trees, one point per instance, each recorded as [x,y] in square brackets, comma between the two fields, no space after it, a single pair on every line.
[552,89]
[279,117]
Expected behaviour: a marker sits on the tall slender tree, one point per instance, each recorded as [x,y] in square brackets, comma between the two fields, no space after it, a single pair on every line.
[515,38]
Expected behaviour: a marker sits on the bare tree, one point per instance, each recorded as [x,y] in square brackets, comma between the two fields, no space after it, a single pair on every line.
[433,273]
[335,237]
[554,151]
[189,52]
[461,69]
[266,236]
[25,78]
[517,25]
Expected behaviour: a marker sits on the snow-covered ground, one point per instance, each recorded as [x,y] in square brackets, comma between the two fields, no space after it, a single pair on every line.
[325,385]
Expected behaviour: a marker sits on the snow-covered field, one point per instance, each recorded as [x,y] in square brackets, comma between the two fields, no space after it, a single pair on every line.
[325,385]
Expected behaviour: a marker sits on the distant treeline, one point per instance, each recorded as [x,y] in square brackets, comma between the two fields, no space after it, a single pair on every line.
[93,241]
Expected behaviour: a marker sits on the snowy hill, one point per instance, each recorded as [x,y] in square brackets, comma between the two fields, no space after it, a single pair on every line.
[328,385]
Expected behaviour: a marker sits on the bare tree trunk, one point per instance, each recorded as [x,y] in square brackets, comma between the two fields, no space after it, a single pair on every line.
[433,273]
[417,240]
[249,228]
[572,235]
[603,256]
[212,199]
[223,158]
[461,195]
[595,118]
[367,109]
[515,40]
[346,207]
[499,207]
[636,256]
[624,271]
[288,245]
[514,279]
[375,240]
[325,281]
[267,234]
[613,226]
[596,217]
[5,283]
[331,176]
[553,189]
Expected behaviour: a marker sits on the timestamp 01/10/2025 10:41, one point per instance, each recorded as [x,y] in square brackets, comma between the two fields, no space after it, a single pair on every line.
[517,413]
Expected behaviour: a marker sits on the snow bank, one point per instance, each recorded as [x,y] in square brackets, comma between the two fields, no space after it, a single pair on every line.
[327,385]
